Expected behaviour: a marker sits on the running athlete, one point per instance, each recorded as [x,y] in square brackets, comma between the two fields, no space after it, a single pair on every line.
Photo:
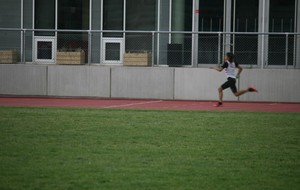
[230,65]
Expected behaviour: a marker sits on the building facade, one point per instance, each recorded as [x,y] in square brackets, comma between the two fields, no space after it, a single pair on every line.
[177,32]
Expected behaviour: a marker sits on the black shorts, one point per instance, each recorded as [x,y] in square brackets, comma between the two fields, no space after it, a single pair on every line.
[230,83]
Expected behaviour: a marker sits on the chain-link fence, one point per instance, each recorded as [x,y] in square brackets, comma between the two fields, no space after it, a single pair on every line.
[246,49]
[200,49]
[281,50]
[209,48]
[10,46]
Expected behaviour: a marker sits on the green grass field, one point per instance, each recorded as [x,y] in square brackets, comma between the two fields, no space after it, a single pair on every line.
[64,148]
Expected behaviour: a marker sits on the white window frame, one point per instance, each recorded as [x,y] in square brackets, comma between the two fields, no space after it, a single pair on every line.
[38,39]
[122,50]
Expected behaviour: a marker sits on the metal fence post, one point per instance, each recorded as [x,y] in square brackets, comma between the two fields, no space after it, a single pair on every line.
[219,48]
[89,47]
[158,49]
[286,50]
[101,52]
[153,50]
[263,51]
[23,47]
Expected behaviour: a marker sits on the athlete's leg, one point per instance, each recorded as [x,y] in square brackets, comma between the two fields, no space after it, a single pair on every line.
[240,92]
[224,86]
[220,103]
[220,90]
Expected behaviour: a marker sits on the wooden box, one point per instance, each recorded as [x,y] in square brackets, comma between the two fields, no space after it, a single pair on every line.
[138,59]
[70,58]
[8,56]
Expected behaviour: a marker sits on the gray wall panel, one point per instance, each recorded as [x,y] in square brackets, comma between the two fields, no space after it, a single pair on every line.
[133,82]
[17,79]
[274,85]
[79,81]
[199,84]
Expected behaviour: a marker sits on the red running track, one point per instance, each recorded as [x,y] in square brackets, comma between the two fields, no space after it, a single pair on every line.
[148,104]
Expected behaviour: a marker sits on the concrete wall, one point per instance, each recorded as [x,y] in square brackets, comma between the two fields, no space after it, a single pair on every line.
[78,81]
[275,85]
[23,80]
[148,83]
[145,82]
[199,84]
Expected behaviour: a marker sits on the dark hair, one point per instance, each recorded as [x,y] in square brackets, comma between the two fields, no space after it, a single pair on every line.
[230,56]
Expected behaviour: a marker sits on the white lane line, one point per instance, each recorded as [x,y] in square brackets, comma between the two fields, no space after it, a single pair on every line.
[132,104]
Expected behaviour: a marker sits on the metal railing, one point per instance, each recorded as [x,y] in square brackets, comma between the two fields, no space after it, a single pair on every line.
[194,49]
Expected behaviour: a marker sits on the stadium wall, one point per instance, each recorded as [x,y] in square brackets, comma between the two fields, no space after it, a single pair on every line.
[139,82]
[25,80]
[274,85]
[81,81]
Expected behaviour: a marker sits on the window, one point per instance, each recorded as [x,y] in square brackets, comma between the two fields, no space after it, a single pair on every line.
[44,16]
[211,15]
[74,15]
[210,19]
[282,16]
[10,16]
[246,16]
[140,15]
[44,49]
[246,20]
[113,17]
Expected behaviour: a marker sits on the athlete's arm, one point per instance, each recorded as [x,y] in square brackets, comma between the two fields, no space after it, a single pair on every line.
[217,68]
[240,69]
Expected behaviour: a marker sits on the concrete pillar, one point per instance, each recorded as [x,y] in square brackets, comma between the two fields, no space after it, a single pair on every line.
[227,25]
[195,41]
[163,24]
[178,11]
[263,27]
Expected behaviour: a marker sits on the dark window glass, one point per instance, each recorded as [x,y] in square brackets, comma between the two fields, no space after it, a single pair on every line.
[210,19]
[112,51]
[44,16]
[113,17]
[10,14]
[211,15]
[246,16]
[140,15]
[282,15]
[44,50]
[73,14]
[246,20]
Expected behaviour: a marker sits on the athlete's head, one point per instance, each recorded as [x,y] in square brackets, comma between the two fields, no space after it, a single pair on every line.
[229,57]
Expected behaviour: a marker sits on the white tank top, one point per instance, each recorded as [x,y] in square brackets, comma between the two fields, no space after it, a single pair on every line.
[230,70]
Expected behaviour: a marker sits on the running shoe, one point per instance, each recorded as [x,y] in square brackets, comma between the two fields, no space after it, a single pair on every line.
[219,104]
[252,89]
